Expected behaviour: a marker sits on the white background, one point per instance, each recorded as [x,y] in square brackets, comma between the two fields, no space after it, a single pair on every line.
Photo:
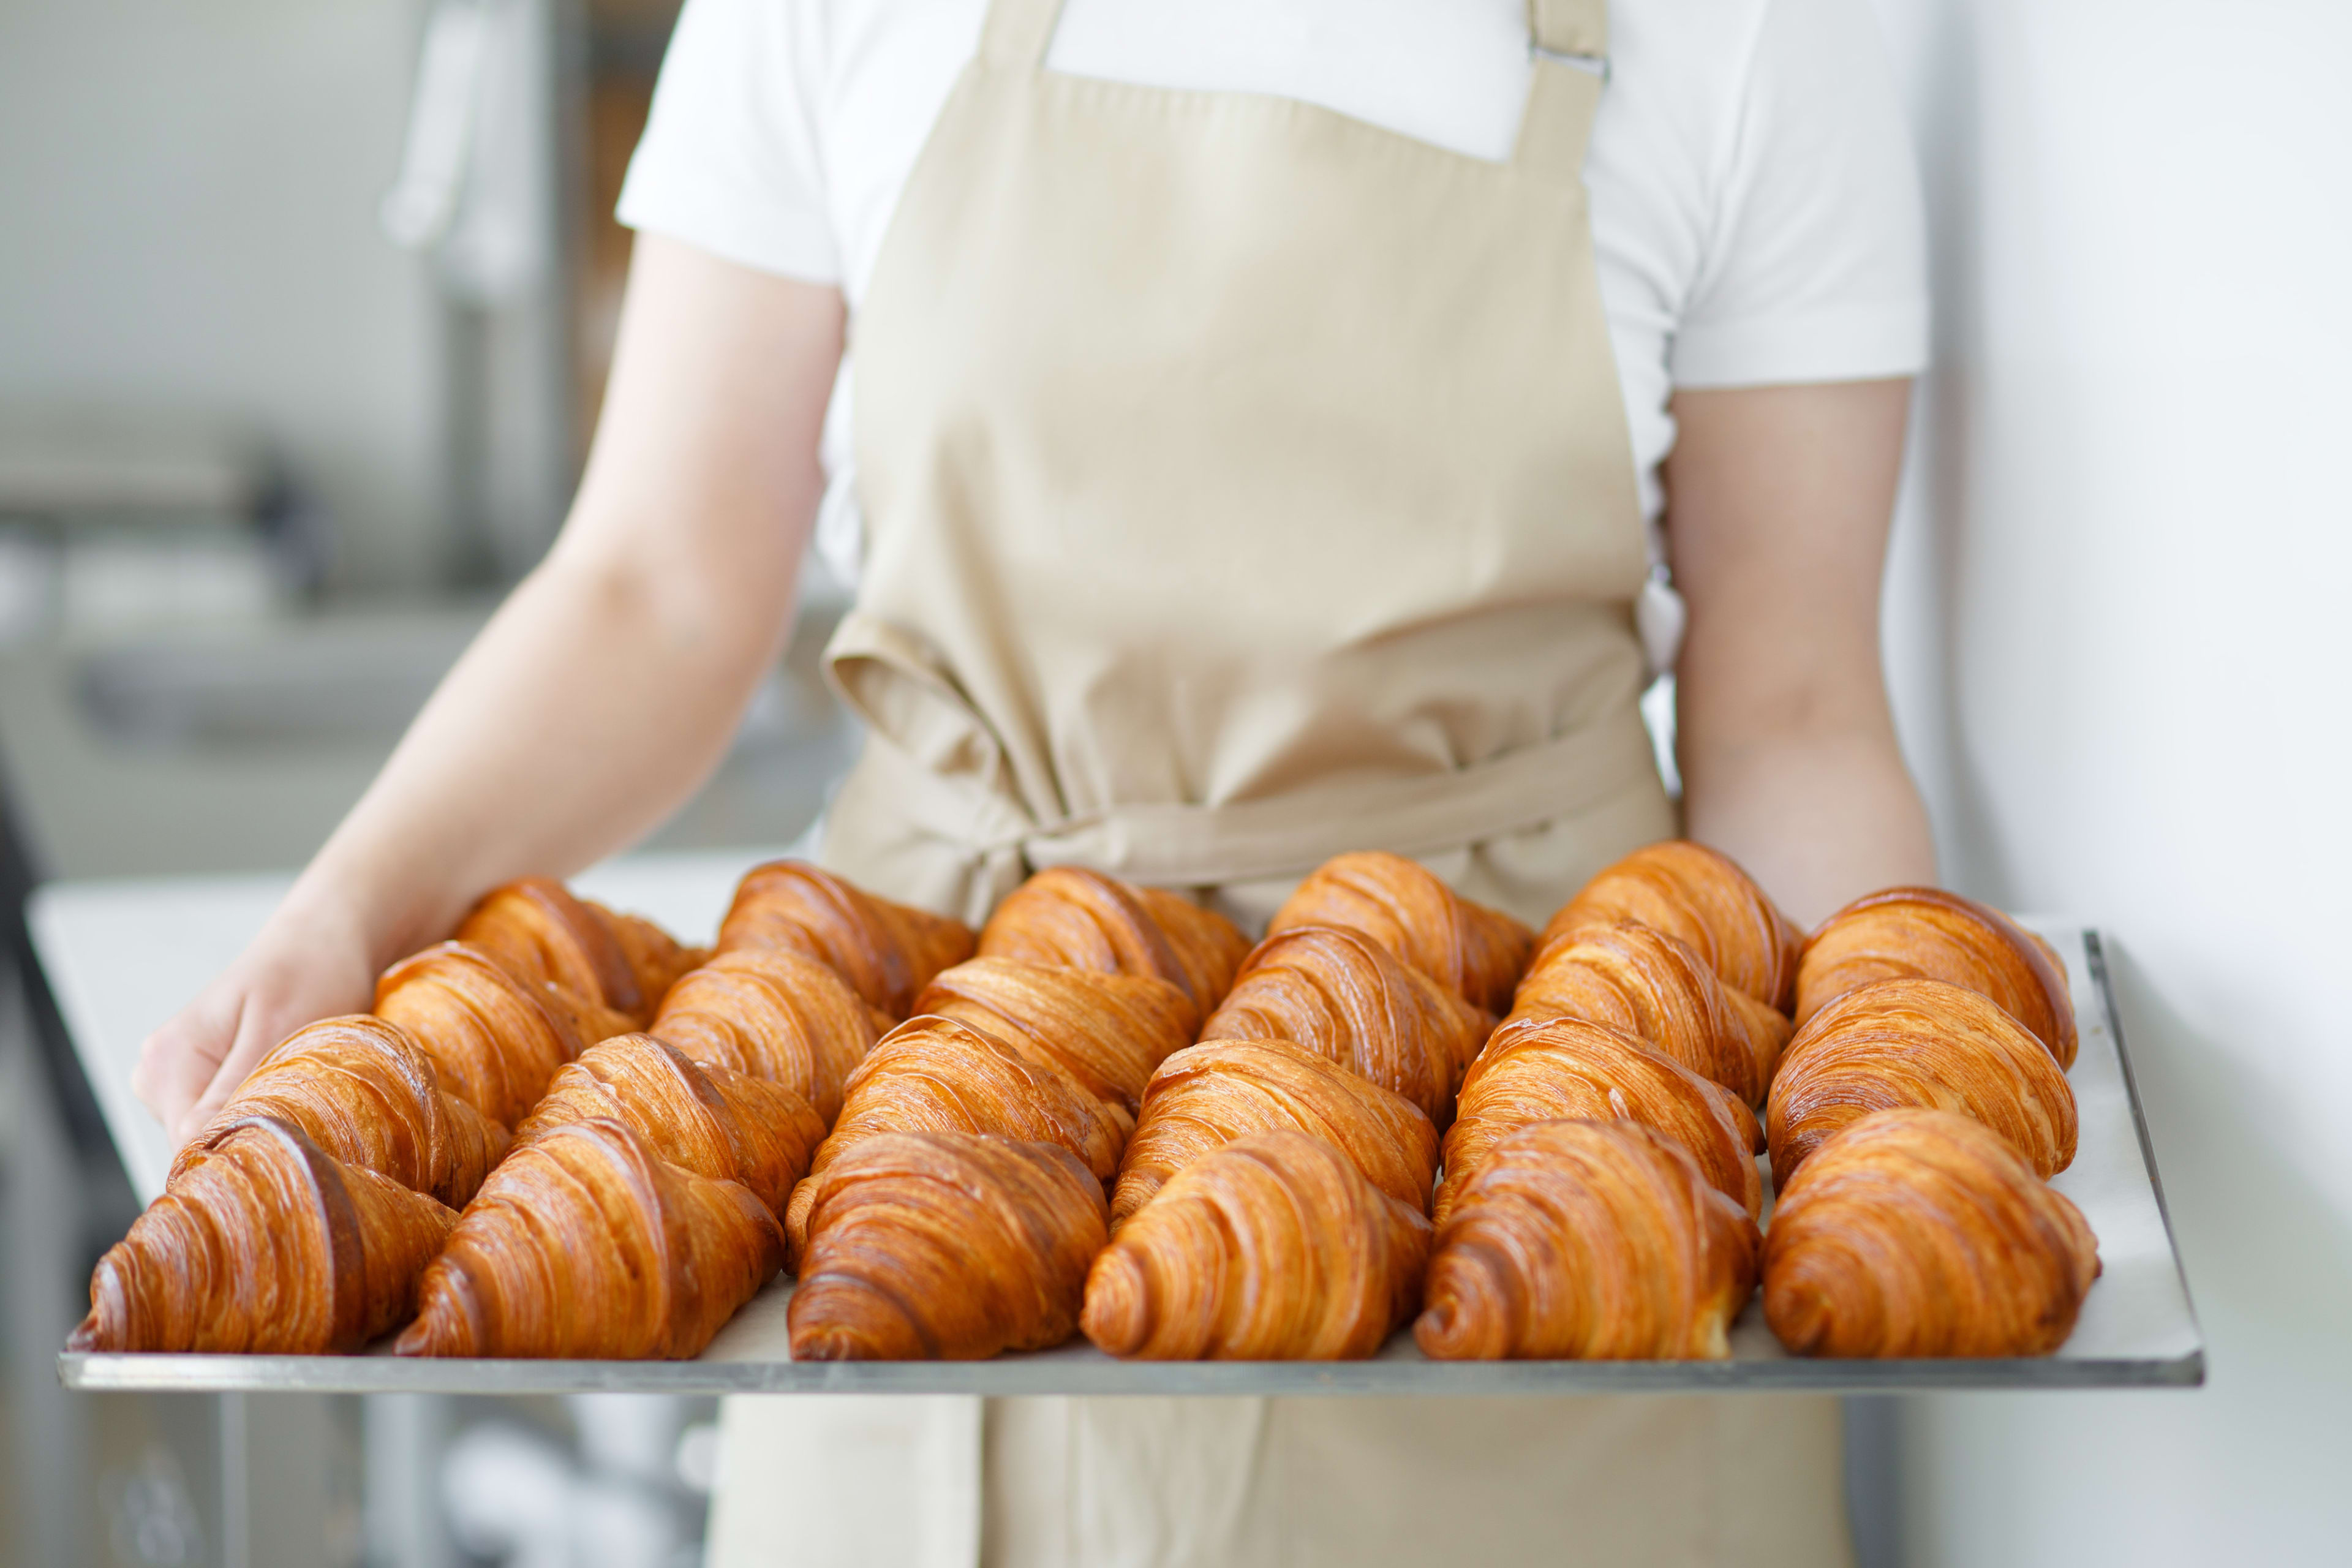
[2121,638]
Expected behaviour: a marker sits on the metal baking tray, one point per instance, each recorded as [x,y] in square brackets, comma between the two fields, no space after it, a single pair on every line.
[2138,1327]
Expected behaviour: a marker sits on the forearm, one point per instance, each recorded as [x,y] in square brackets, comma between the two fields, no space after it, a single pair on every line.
[587,710]
[1819,813]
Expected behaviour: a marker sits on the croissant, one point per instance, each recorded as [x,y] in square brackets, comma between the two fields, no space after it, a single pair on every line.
[264,1244]
[1565,1069]
[1655,988]
[1690,892]
[363,1092]
[1590,1241]
[1106,1031]
[1341,996]
[1074,918]
[1919,1233]
[495,1040]
[772,1014]
[944,1247]
[712,1120]
[538,932]
[885,951]
[1927,933]
[942,1075]
[1474,951]
[586,1243]
[1273,1247]
[1919,1043]
[1207,1096]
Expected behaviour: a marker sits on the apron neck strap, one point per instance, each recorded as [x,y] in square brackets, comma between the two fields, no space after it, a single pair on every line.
[1578,27]
[1571,51]
[1018,32]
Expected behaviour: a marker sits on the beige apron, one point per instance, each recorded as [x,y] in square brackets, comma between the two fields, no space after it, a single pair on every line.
[1244,484]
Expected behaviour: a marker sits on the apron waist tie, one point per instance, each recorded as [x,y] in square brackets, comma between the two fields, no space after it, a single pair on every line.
[1183,845]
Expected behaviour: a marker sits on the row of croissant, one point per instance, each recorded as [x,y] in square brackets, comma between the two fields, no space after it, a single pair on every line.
[962,1156]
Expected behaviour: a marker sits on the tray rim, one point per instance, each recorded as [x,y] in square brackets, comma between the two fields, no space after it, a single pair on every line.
[1083,1375]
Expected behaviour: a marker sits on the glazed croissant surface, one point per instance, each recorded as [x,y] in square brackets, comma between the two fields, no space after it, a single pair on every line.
[1703,898]
[262,1243]
[885,951]
[1476,951]
[772,1014]
[1070,917]
[1927,933]
[1568,1069]
[712,1120]
[1588,1240]
[941,1075]
[495,1041]
[538,932]
[1341,994]
[586,1243]
[1919,1043]
[944,1246]
[1272,1248]
[1657,989]
[1106,1031]
[365,1093]
[1920,1233]
[1207,1096]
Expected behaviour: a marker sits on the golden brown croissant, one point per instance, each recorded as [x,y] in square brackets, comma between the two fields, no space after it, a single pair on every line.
[712,1120]
[1341,996]
[1106,1031]
[1074,918]
[364,1092]
[1206,1096]
[885,951]
[1478,951]
[1919,1043]
[585,1242]
[495,1040]
[1568,1069]
[944,1247]
[1590,1241]
[1927,933]
[1919,1233]
[1655,988]
[1273,1247]
[1700,896]
[538,932]
[264,1244]
[774,1015]
[942,1075]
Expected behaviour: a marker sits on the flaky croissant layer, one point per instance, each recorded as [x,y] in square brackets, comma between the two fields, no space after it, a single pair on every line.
[1920,1233]
[262,1243]
[1109,1031]
[944,1246]
[1589,1240]
[1701,897]
[1071,918]
[1474,951]
[586,1243]
[1273,1247]
[885,952]
[774,1015]
[1927,933]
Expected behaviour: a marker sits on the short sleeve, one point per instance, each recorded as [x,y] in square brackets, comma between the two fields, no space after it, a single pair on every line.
[731,158]
[1816,267]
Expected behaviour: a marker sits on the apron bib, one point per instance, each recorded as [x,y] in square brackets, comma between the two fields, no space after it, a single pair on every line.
[1244,484]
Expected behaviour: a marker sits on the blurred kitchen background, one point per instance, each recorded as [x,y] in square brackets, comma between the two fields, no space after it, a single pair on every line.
[305,313]
[304,310]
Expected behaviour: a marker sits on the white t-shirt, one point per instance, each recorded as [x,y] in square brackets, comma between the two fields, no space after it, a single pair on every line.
[1755,210]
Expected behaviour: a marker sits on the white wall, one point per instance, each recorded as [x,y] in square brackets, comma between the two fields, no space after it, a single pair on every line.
[2122,643]
[187,230]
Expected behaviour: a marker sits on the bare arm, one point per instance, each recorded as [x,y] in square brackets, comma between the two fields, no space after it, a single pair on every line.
[1779,503]
[605,688]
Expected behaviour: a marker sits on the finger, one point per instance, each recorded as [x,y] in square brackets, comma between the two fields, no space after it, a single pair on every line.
[175,1063]
[256,1032]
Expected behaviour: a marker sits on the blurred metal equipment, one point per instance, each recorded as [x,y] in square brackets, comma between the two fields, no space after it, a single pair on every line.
[483,190]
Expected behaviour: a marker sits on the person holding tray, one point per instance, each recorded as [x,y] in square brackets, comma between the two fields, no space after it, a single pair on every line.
[1268,429]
